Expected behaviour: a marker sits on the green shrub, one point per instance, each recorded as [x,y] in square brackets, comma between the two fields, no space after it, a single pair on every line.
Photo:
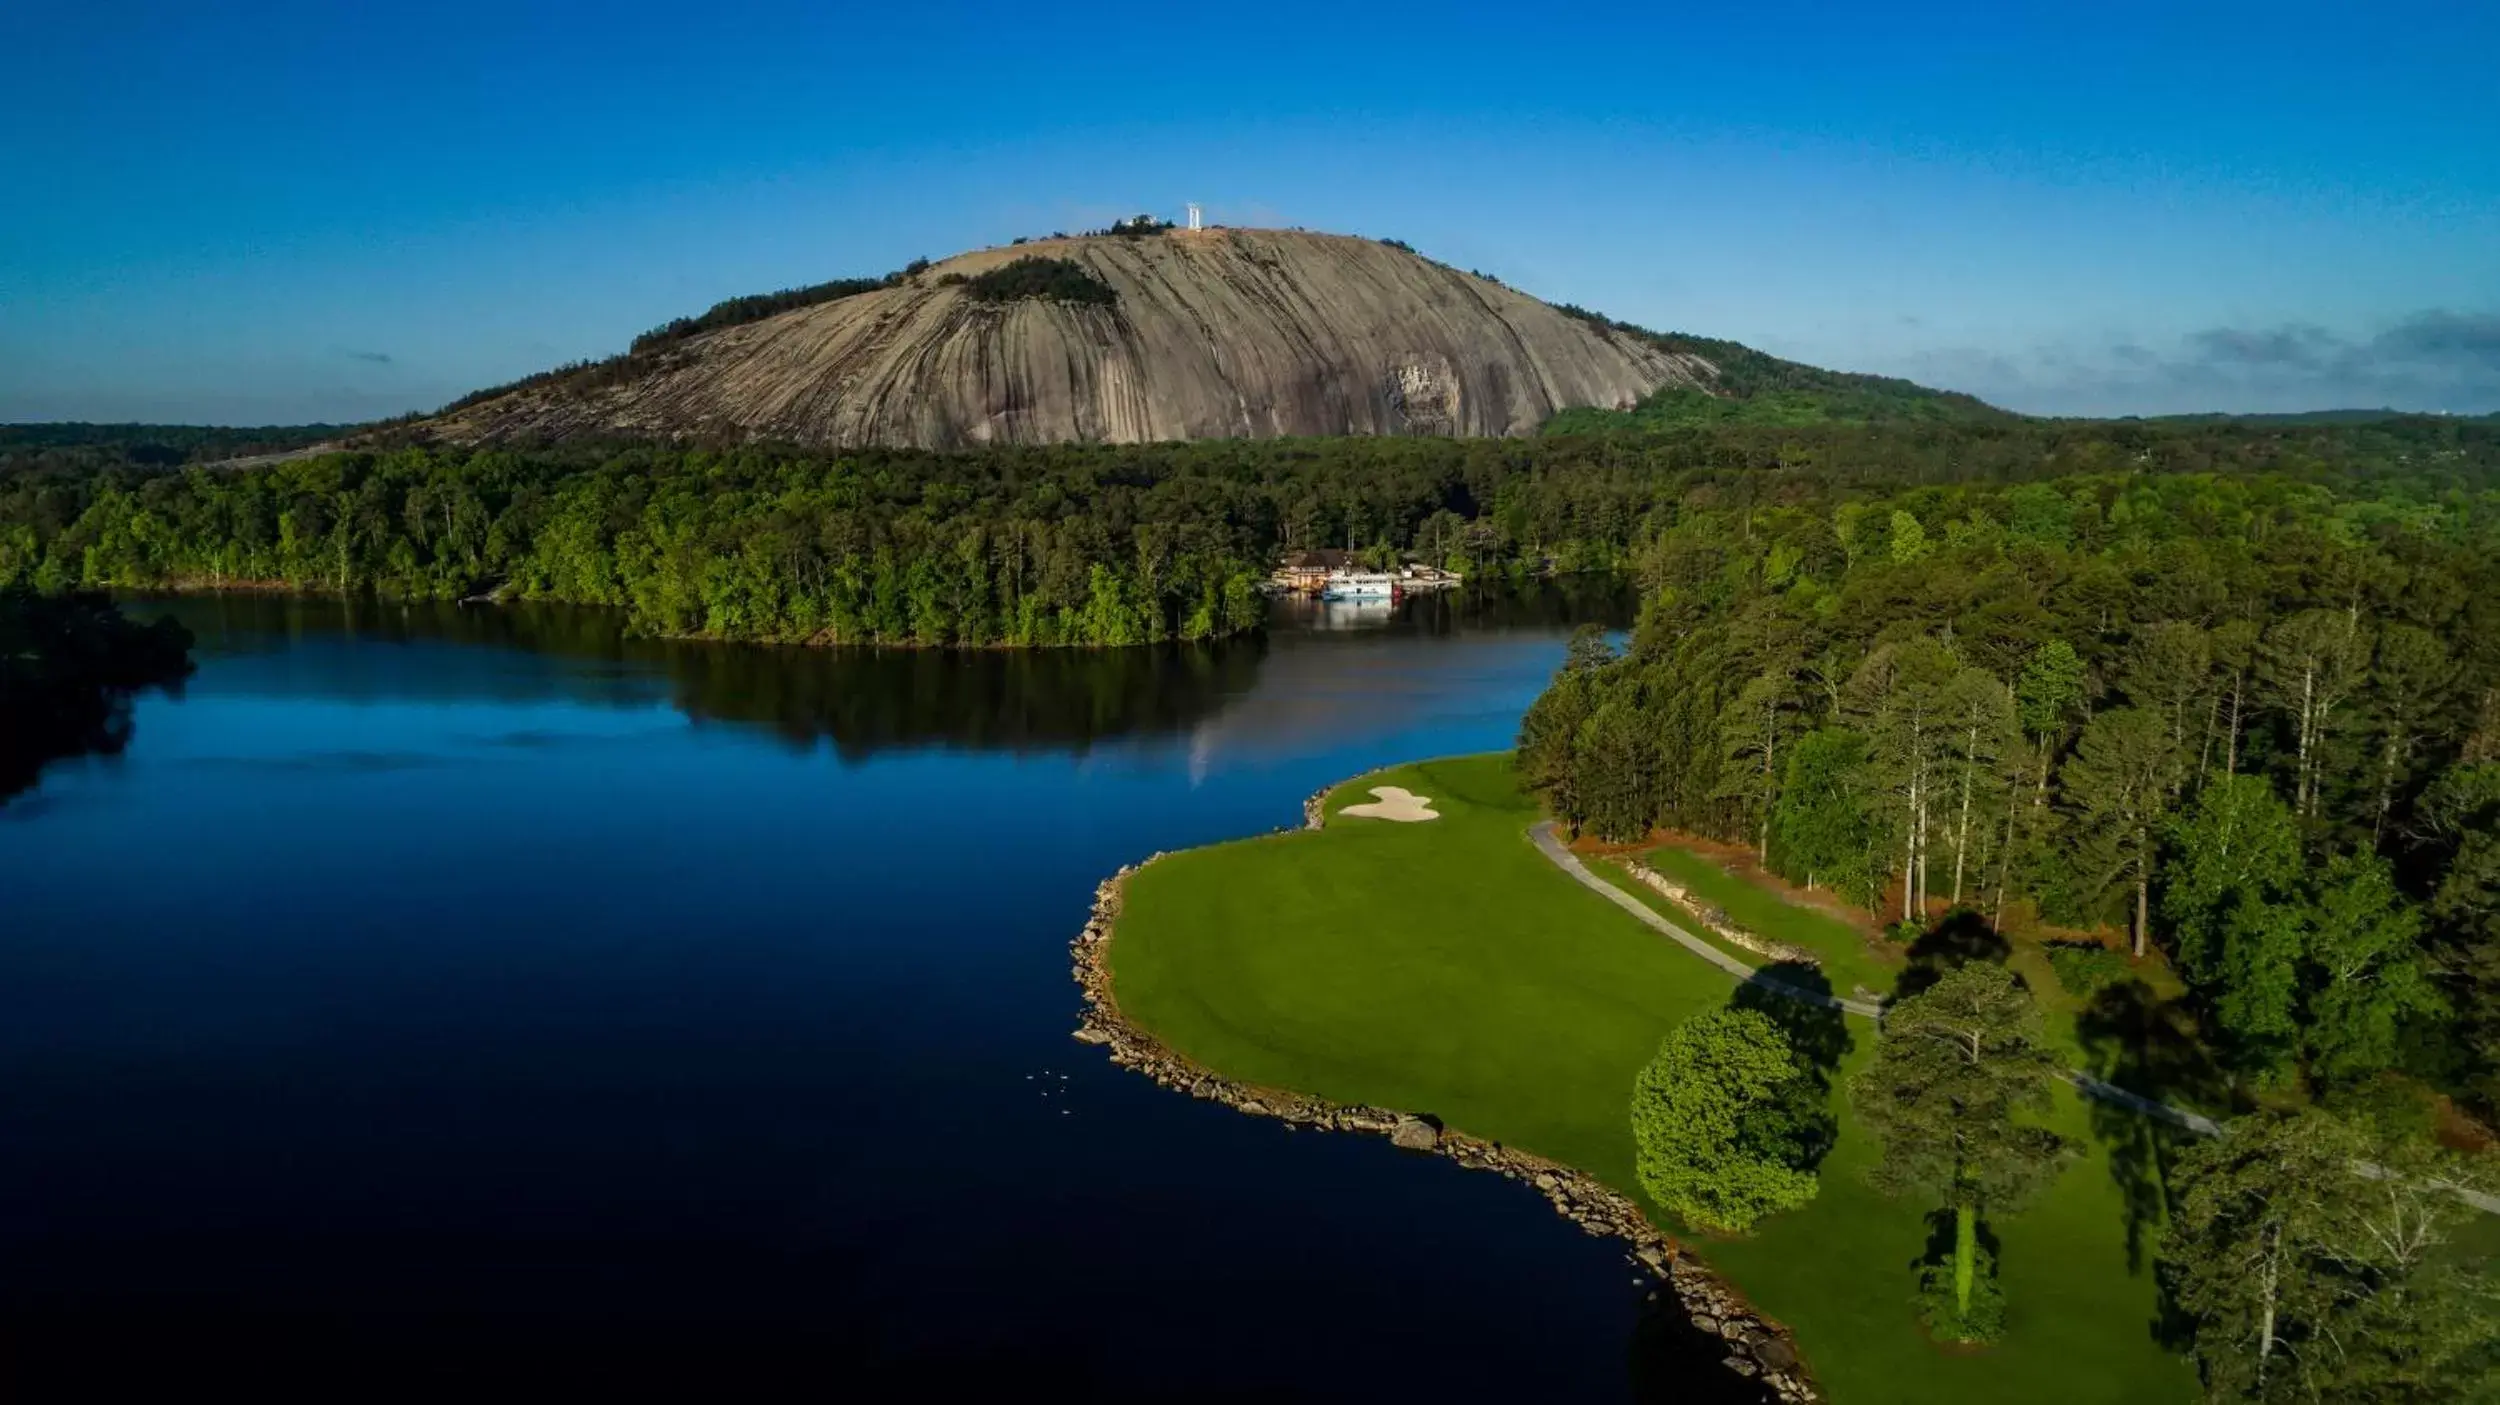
[2084,968]
[1060,280]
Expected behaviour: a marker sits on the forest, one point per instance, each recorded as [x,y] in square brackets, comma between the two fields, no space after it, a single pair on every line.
[2227,746]
[1077,544]
[2252,720]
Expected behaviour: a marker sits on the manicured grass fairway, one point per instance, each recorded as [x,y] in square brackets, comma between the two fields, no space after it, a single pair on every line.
[1446,967]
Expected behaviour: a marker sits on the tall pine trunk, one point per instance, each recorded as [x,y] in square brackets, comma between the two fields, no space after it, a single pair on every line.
[2387,782]
[2005,856]
[2231,738]
[1909,842]
[1961,838]
[2205,749]
[1770,779]
[1965,1255]
[2272,1289]
[2143,891]
[2308,689]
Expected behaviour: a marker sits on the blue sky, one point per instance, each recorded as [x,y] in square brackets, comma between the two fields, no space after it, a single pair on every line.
[263,212]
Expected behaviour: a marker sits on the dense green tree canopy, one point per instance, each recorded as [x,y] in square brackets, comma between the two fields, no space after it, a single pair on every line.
[1957,1074]
[2027,696]
[1717,1145]
[1957,1081]
[2312,1263]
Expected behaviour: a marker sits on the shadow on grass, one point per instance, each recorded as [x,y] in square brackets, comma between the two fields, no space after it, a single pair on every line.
[1818,1039]
[2173,1327]
[2134,1038]
[1963,936]
[1940,1240]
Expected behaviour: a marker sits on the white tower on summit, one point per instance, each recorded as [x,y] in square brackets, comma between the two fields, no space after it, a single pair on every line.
[1193,215]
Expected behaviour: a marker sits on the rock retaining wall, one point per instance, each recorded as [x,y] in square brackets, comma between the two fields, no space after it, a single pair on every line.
[1314,810]
[1716,920]
[1756,1347]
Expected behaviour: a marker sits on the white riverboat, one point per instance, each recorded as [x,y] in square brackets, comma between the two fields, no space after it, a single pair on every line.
[1359,585]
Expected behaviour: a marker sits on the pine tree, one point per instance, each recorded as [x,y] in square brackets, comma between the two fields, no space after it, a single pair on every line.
[1982,736]
[1957,1075]
[2411,679]
[1898,698]
[2309,665]
[2117,789]
[1754,733]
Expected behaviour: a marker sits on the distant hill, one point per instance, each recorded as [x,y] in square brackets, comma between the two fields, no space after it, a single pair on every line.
[1753,387]
[1155,335]
[1140,333]
[159,445]
[2308,417]
[1148,333]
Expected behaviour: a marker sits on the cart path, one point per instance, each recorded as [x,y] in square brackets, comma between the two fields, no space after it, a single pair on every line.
[1542,832]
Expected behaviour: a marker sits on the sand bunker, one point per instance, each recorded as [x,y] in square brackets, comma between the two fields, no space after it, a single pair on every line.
[1395,803]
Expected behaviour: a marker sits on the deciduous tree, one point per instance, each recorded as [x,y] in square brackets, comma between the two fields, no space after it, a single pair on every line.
[1714,1144]
[2308,1262]
[2367,975]
[2232,895]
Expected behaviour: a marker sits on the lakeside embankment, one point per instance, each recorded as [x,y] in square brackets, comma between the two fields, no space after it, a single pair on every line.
[1450,967]
[1757,1347]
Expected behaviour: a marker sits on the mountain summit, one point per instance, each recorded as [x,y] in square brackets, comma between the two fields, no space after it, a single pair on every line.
[1146,333]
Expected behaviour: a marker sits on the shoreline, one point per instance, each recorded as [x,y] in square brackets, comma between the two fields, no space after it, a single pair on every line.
[1758,1348]
[498,598]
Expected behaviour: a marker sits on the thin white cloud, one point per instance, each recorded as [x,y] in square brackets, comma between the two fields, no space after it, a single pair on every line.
[2435,360]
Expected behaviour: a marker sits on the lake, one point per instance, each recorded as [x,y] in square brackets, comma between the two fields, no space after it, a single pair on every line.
[432,998]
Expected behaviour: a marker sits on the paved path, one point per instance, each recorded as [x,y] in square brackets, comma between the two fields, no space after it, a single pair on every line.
[1543,833]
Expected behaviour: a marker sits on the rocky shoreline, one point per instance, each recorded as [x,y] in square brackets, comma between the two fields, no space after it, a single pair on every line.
[1314,810]
[1757,1347]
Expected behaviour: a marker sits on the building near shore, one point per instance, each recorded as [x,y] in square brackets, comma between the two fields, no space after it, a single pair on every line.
[1339,574]
[1308,571]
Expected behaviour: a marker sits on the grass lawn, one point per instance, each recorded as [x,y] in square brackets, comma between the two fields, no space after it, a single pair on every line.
[1447,967]
[1846,958]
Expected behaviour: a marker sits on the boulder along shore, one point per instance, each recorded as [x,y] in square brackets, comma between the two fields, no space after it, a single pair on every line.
[1757,1347]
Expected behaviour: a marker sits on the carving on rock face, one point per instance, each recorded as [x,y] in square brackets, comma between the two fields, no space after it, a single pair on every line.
[1423,394]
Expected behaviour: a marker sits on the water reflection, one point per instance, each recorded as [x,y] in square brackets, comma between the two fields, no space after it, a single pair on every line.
[862,701]
[477,1020]
[70,666]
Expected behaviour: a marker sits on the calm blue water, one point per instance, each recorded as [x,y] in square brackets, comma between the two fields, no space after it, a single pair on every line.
[435,999]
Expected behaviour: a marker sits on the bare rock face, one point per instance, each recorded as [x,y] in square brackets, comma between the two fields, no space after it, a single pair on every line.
[1226,333]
